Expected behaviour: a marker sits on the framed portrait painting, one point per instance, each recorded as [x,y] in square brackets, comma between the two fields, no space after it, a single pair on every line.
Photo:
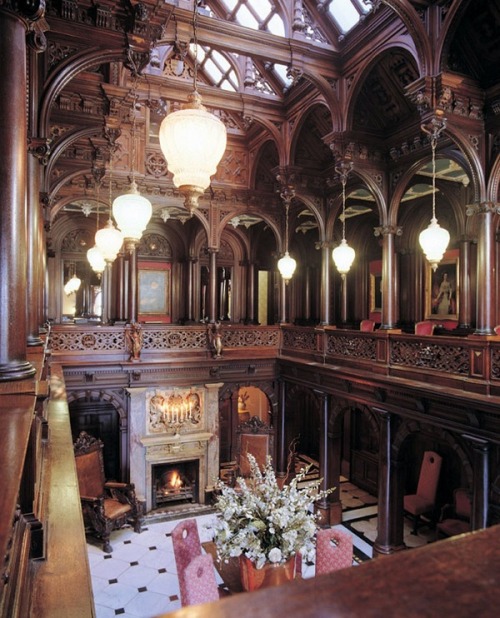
[441,290]
[154,292]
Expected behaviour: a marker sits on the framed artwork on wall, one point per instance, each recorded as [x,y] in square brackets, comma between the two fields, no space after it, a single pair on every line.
[441,290]
[375,292]
[154,304]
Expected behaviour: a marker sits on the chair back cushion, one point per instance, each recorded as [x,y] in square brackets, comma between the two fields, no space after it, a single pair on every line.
[333,550]
[367,326]
[90,474]
[424,328]
[187,546]
[429,476]
[200,583]
[463,506]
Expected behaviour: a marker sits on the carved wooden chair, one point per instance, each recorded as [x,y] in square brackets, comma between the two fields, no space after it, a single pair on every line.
[423,501]
[426,327]
[254,437]
[106,506]
[455,518]
[367,326]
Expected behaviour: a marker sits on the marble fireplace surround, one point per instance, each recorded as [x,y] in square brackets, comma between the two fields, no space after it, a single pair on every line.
[190,443]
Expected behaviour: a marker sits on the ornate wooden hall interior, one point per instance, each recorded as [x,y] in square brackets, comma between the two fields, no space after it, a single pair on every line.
[355,123]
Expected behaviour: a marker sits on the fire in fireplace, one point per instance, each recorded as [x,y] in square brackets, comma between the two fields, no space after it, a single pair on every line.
[175,482]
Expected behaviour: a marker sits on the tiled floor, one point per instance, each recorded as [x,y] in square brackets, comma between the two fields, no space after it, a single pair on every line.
[139,579]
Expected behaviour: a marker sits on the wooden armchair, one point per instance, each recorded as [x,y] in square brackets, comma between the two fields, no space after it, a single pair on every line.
[106,506]
[455,518]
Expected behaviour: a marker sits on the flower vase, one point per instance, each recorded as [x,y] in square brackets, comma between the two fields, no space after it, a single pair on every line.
[269,575]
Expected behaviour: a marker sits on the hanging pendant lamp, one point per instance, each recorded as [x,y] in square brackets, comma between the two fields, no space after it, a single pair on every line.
[108,239]
[73,284]
[287,265]
[192,140]
[434,239]
[343,255]
[131,210]
[94,256]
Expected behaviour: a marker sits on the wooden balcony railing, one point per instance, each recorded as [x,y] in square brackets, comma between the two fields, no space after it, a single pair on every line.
[468,363]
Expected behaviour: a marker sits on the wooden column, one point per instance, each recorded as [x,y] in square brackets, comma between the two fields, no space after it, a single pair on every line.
[251,294]
[480,475]
[343,299]
[325,311]
[132,287]
[464,308]
[189,296]
[38,150]
[212,286]
[119,268]
[385,543]
[323,506]
[485,304]
[281,463]
[284,312]
[13,223]
[390,313]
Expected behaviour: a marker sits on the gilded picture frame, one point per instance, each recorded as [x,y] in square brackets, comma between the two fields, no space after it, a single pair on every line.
[442,290]
[153,294]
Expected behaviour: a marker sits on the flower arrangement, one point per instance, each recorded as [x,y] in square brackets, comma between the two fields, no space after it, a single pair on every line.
[264,522]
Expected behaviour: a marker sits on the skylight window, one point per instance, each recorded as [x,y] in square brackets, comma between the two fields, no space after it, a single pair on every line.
[344,14]
[347,13]
[216,67]
[282,72]
[255,14]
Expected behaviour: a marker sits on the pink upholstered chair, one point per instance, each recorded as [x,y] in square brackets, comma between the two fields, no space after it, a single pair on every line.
[497,329]
[424,500]
[424,328]
[187,547]
[333,550]
[200,585]
[456,518]
[367,326]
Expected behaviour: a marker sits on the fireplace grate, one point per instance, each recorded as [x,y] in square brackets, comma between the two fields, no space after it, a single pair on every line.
[175,483]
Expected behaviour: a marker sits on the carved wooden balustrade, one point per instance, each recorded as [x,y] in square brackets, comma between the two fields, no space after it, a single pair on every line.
[468,363]
[165,343]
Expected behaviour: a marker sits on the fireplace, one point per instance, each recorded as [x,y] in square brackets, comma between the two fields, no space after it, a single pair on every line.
[174,482]
[176,427]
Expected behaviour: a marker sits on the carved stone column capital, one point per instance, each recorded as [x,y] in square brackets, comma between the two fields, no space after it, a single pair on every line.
[386,230]
[483,208]
[39,147]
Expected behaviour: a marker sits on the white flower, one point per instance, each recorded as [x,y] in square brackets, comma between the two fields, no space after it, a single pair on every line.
[262,521]
[274,555]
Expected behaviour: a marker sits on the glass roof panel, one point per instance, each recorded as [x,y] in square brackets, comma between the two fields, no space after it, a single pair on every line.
[276,26]
[282,72]
[344,13]
[245,18]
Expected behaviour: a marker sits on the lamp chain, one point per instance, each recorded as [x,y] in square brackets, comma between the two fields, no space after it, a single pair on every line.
[134,103]
[434,130]
[98,184]
[433,147]
[195,44]
[110,184]
[287,206]
[343,168]
[344,180]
